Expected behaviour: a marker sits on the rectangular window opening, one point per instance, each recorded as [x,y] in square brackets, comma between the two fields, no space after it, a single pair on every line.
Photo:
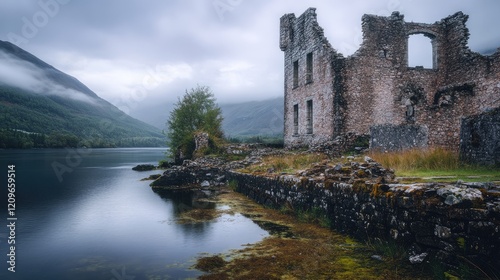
[296,119]
[309,117]
[309,68]
[296,74]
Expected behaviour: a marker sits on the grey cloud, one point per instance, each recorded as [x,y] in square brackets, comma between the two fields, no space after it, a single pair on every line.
[212,39]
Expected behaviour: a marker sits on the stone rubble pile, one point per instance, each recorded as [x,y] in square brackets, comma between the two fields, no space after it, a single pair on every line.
[350,171]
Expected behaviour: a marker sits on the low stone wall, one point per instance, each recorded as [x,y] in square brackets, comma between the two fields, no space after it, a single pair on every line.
[430,220]
[443,221]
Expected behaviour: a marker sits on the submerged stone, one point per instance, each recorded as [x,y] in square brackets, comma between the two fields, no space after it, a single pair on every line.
[419,258]
[144,167]
[205,184]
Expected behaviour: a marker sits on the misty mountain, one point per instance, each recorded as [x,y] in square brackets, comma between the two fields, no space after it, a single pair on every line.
[245,119]
[253,118]
[41,106]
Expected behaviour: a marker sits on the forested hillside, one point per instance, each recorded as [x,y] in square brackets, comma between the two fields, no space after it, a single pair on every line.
[42,107]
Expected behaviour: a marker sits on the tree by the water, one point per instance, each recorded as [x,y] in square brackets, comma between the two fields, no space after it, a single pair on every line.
[196,112]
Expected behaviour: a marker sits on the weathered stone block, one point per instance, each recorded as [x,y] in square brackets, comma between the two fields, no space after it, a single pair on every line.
[401,137]
[480,138]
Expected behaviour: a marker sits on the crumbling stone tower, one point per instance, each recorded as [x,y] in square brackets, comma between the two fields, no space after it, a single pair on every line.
[374,91]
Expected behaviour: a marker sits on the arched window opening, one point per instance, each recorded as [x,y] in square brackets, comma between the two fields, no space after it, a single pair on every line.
[420,52]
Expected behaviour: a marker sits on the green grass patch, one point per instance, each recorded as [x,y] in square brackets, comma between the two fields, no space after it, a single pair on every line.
[233,185]
[315,215]
[465,174]
[391,251]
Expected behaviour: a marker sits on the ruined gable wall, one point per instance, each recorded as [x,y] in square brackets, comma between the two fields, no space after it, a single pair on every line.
[466,83]
[298,38]
[382,89]
[372,74]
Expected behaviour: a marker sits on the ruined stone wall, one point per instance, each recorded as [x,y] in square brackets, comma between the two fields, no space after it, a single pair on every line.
[430,220]
[300,37]
[372,75]
[375,86]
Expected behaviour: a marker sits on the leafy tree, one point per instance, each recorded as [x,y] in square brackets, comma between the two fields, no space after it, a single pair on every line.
[197,111]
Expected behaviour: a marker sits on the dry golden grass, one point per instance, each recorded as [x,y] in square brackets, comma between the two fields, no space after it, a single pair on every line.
[286,163]
[436,165]
[418,159]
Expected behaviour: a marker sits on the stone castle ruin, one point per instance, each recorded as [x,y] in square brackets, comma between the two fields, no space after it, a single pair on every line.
[375,93]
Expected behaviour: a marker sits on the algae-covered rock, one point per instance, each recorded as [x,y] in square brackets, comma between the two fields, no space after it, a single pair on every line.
[144,167]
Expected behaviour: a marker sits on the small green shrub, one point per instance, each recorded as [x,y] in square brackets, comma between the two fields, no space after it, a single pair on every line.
[315,215]
[233,185]
[391,251]
[164,164]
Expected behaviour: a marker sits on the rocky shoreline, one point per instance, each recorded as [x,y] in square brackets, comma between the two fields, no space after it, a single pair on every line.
[443,222]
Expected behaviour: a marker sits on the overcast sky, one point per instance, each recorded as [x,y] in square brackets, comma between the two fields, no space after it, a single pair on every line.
[149,52]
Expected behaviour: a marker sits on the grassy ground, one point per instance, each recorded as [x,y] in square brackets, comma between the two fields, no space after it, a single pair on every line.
[412,166]
[434,165]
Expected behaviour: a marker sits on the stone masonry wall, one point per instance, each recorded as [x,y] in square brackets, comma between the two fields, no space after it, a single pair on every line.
[303,36]
[375,86]
[433,221]
[479,138]
[401,137]
[430,220]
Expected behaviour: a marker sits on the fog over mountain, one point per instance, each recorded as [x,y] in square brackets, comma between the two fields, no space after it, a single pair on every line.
[41,79]
[41,106]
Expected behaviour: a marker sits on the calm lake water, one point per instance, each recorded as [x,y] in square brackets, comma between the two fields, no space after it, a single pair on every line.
[97,220]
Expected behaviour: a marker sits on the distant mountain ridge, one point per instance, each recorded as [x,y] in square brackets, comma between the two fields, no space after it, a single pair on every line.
[58,110]
[254,118]
[242,119]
